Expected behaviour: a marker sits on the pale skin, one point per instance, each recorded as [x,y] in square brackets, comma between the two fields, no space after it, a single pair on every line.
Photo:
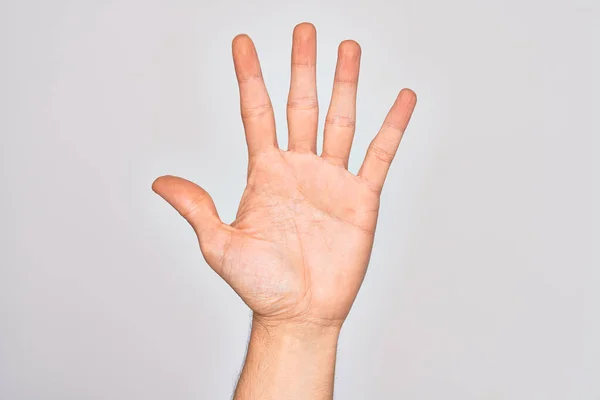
[299,247]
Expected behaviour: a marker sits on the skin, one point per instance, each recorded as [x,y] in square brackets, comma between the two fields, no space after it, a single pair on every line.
[299,247]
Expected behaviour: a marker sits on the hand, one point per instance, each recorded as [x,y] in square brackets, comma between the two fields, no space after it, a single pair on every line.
[299,247]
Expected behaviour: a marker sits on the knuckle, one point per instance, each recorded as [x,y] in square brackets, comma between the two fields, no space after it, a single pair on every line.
[340,121]
[381,153]
[256,111]
[334,159]
[243,79]
[394,126]
[303,103]
[374,188]
[304,65]
[195,205]
[345,84]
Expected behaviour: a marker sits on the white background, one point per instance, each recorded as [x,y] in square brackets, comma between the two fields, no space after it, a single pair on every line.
[485,272]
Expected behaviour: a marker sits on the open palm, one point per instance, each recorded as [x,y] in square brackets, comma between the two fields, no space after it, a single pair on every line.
[299,247]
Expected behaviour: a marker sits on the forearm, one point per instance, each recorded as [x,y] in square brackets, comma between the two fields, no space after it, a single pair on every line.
[288,362]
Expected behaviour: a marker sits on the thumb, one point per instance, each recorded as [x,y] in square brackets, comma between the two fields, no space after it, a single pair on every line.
[197,207]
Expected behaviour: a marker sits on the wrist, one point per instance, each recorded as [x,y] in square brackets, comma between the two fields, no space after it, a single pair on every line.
[294,343]
[297,331]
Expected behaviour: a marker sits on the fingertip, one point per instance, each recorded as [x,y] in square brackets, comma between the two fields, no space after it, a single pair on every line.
[242,44]
[166,186]
[349,48]
[158,183]
[304,30]
[408,96]
[240,38]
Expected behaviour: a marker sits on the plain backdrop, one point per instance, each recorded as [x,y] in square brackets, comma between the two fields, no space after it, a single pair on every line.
[484,280]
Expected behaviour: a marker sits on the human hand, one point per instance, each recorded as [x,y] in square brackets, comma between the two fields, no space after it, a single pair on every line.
[298,249]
